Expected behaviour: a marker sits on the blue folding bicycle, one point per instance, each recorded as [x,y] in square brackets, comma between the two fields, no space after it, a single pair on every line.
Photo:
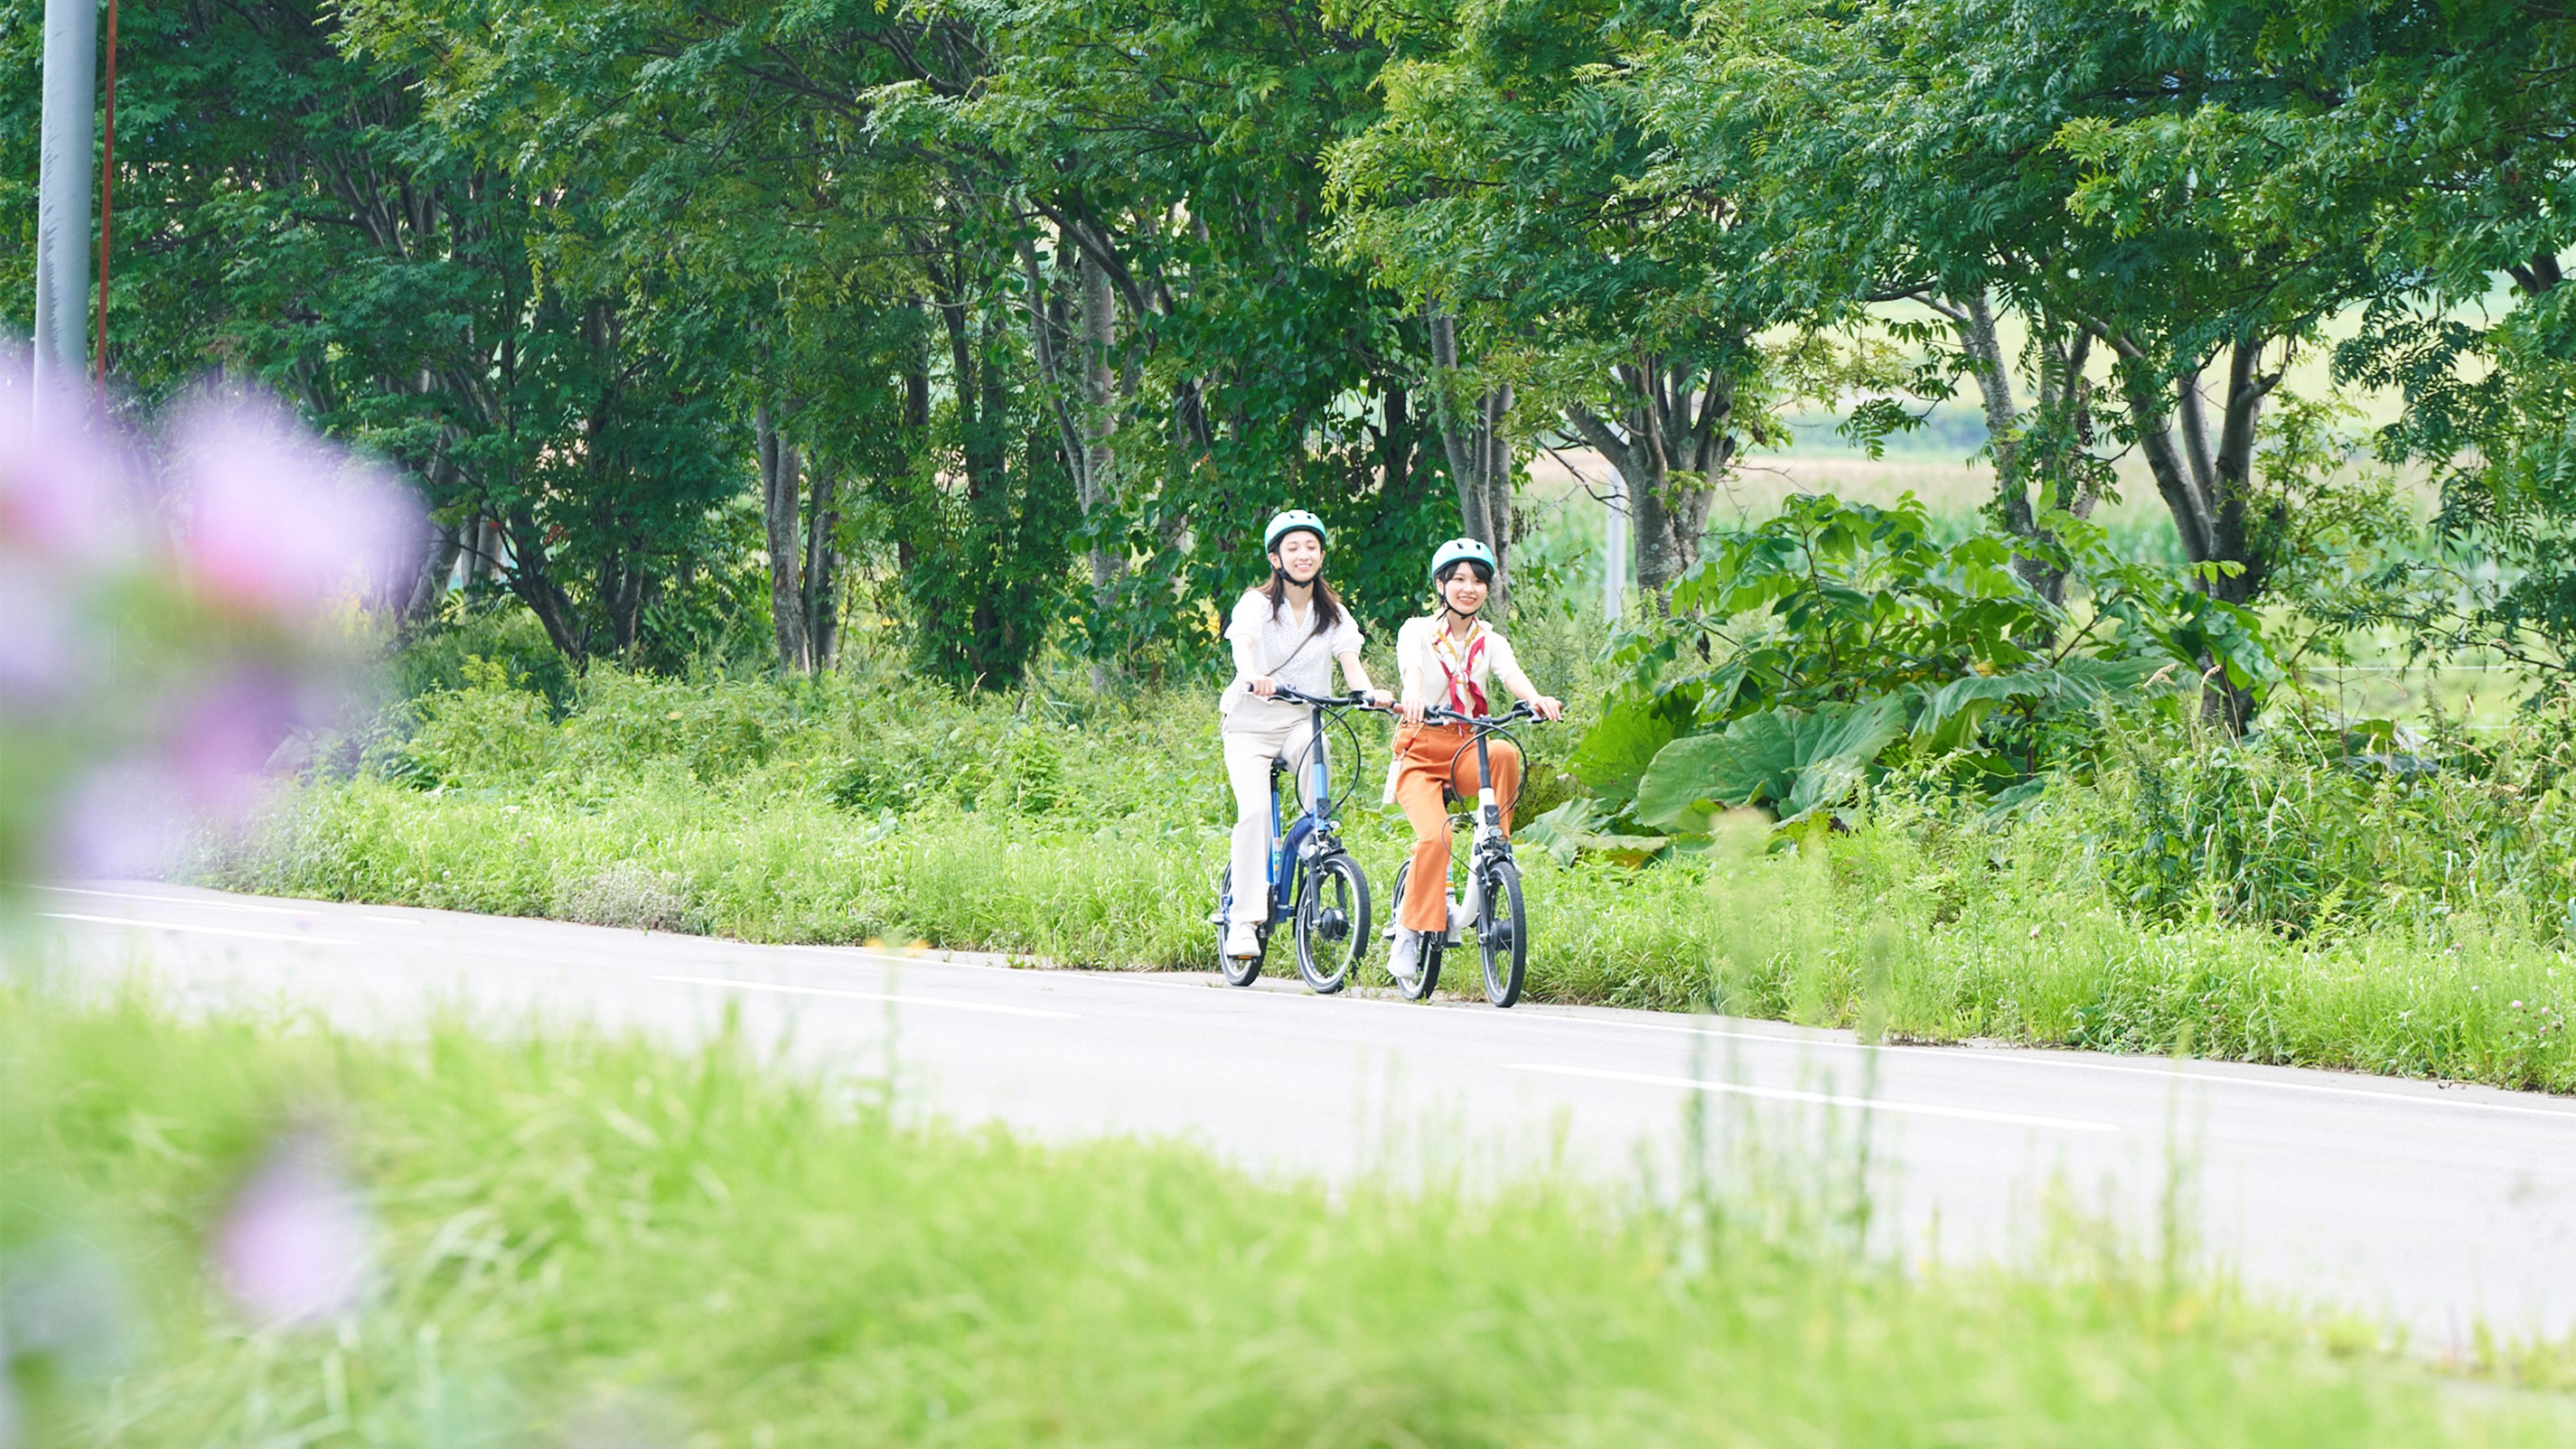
[1314,884]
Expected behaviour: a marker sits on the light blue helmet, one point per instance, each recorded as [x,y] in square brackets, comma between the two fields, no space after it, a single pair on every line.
[1289,522]
[1461,548]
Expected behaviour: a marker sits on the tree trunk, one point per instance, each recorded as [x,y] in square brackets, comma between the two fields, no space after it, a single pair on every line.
[1671,427]
[823,567]
[2024,465]
[482,550]
[2207,487]
[429,584]
[1973,318]
[626,601]
[1099,475]
[1395,443]
[780,500]
[1480,456]
[527,576]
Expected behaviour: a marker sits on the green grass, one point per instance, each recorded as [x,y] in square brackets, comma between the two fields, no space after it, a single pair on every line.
[582,1234]
[1884,931]
[2263,903]
[1120,895]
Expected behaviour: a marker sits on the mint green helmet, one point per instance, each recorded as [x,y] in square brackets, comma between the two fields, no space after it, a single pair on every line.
[1461,548]
[1281,525]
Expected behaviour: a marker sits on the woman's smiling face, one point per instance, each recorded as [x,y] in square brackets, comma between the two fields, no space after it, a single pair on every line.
[1462,590]
[1300,555]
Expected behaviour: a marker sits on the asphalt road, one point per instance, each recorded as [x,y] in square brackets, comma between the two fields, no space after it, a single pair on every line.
[2436,1207]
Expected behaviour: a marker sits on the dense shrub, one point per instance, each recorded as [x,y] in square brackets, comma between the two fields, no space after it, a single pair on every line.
[2305,827]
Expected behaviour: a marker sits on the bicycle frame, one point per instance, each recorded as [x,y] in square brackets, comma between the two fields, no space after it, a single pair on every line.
[1313,831]
[1489,842]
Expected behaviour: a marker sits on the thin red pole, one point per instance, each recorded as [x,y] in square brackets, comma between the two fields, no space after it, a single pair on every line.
[106,193]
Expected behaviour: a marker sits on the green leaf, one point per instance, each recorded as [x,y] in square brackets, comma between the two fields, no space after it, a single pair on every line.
[1792,760]
[1618,748]
[1577,826]
[1952,712]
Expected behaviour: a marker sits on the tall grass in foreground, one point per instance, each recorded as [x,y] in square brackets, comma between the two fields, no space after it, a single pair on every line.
[597,1241]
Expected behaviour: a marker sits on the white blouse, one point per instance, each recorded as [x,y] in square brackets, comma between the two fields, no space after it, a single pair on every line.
[1419,655]
[1285,648]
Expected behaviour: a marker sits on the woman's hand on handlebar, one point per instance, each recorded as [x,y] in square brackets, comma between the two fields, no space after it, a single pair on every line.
[1410,711]
[1549,707]
[1262,686]
[1378,698]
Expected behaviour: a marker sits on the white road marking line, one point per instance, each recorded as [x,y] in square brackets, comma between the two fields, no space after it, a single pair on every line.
[906,1000]
[184,901]
[307,912]
[2040,1057]
[1828,1099]
[198,930]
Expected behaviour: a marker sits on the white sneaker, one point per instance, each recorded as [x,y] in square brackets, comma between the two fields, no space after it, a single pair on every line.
[1404,959]
[1241,941]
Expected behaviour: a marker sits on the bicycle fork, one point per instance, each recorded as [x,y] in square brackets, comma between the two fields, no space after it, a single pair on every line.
[1468,905]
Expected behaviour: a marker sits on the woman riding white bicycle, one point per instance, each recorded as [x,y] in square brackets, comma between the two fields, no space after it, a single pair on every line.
[1447,658]
[1287,632]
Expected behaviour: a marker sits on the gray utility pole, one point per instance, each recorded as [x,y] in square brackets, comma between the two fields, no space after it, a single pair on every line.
[1614,540]
[64,176]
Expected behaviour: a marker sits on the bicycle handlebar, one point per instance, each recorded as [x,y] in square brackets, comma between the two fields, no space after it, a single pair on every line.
[1434,714]
[1325,701]
[1437,714]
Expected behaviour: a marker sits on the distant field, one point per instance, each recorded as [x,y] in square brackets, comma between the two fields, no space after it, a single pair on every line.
[1948,486]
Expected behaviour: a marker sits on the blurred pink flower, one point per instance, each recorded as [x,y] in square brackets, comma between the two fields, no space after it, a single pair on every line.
[219,737]
[204,765]
[120,821]
[281,521]
[296,1246]
[66,491]
[42,653]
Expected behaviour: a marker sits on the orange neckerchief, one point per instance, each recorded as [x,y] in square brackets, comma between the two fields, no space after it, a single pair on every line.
[1459,664]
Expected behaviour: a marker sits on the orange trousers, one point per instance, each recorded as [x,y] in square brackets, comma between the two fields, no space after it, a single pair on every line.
[1427,758]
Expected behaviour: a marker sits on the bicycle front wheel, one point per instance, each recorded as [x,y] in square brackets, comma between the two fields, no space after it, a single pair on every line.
[1247,970]
[1427,968]
[1502,934]
[1332,923]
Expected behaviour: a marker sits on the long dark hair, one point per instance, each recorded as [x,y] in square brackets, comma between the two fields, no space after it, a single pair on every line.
[1328,607]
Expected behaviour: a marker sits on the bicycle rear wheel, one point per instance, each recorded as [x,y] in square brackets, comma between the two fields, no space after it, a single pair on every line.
[1247,970]
[1501,934]
[1428,975]
[1332,926]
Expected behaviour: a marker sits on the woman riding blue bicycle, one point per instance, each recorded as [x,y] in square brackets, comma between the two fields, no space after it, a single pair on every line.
[1287,632]
[1447,658]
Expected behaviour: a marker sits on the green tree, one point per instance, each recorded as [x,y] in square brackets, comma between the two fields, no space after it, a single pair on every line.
[1953,153]
[286,213]
[1507,189]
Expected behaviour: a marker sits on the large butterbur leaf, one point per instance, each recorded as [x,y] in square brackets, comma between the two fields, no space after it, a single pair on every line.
[1581,826]
[1794,761]
[1952,713]
[1616,750]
